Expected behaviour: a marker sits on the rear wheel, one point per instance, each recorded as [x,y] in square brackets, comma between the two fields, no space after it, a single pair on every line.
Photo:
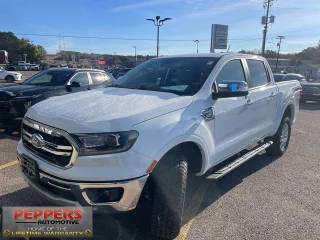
[169,183]
[9,78]
[281,139]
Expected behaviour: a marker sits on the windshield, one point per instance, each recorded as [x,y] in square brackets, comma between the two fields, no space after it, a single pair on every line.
[180,75]
[50,78]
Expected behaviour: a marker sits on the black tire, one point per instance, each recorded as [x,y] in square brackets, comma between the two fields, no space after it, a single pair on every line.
[279,146]
[9,78]
[169,184]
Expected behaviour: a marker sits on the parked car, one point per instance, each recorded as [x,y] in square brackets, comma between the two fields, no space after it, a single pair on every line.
[310,90]
[119,72]
[23,66]
[34,67]
[15,99]
[145,136]
[278,77]
[11,67]
[9,76]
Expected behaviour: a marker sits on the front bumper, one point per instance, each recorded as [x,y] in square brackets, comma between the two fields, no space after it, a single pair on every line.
[18,77]
[66,192]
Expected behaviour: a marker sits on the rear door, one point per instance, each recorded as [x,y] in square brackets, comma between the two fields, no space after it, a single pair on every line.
[261,100]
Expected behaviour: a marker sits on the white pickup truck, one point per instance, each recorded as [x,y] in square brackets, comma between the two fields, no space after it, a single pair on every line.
[164,121]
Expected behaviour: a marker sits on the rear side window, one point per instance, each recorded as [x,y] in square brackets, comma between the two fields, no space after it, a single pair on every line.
[232,71]
[98,77]
[81,78]
[258,74]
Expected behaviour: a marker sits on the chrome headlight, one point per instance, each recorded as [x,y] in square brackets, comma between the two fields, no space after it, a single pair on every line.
[103,143]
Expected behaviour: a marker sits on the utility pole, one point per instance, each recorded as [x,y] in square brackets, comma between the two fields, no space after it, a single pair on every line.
[266,20]
[158,23]
[135,54]
[279,46]
[197,43]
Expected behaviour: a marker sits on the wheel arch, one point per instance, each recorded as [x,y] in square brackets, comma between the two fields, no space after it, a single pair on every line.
[290,112]
[193,149]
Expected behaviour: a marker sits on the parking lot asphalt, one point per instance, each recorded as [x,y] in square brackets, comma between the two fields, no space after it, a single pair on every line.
[266,198]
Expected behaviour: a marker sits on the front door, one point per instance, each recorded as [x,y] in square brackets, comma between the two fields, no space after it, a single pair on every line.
[230,130]
[83,82]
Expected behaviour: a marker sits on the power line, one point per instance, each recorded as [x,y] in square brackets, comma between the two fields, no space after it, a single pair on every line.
[127,39]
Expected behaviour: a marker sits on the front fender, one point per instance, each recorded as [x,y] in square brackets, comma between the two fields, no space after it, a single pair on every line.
[159,135]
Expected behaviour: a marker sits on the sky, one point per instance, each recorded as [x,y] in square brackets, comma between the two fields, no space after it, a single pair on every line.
[298,21]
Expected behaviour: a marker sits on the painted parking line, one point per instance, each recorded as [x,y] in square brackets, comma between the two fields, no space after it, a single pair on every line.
[197,199]
[9,164]
[184,230]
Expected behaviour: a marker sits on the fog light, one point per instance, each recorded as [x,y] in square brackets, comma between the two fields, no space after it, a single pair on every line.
[104,195]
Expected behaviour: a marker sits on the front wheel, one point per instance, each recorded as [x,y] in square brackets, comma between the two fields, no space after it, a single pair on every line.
[169,183]
[281,139]
[9,78]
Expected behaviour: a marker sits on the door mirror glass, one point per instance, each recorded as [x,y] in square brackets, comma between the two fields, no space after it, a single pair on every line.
[75,84]
[229,88]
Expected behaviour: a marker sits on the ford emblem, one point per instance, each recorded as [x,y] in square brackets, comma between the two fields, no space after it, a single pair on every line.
[37,140]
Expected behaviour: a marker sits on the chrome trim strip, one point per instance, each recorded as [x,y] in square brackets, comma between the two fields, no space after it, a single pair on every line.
[131,191]
[58,147]
[47,149]
[57,186]
[58,133]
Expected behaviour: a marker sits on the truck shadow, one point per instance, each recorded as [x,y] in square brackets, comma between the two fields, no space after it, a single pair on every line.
[133,226]
[203,192]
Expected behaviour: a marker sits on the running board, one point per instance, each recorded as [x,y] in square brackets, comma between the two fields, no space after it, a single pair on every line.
[236,163]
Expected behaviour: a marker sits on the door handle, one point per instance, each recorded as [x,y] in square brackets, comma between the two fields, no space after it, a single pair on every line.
[272,94]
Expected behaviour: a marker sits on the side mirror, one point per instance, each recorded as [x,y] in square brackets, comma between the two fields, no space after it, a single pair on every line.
[69,86]
[231,88]
[75,84]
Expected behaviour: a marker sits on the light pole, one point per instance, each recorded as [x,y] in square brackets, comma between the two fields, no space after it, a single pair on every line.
[197,43]
[158,22]
[279,46]
[135,53]
[265,20]
[25,57]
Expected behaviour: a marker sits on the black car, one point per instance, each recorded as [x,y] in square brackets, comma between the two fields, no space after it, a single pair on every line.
[15,99]
[310,90]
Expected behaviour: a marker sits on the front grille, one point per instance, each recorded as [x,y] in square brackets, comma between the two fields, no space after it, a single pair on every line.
[4,106]
[50,144]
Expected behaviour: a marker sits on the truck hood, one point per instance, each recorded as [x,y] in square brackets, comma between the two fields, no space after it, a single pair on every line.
[105,110]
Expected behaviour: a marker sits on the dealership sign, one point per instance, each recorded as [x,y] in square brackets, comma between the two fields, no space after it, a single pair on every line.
[101,62]
[219,37]
[49,222]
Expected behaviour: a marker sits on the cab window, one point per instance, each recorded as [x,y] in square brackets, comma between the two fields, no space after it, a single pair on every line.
[258,74]
[232,71]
